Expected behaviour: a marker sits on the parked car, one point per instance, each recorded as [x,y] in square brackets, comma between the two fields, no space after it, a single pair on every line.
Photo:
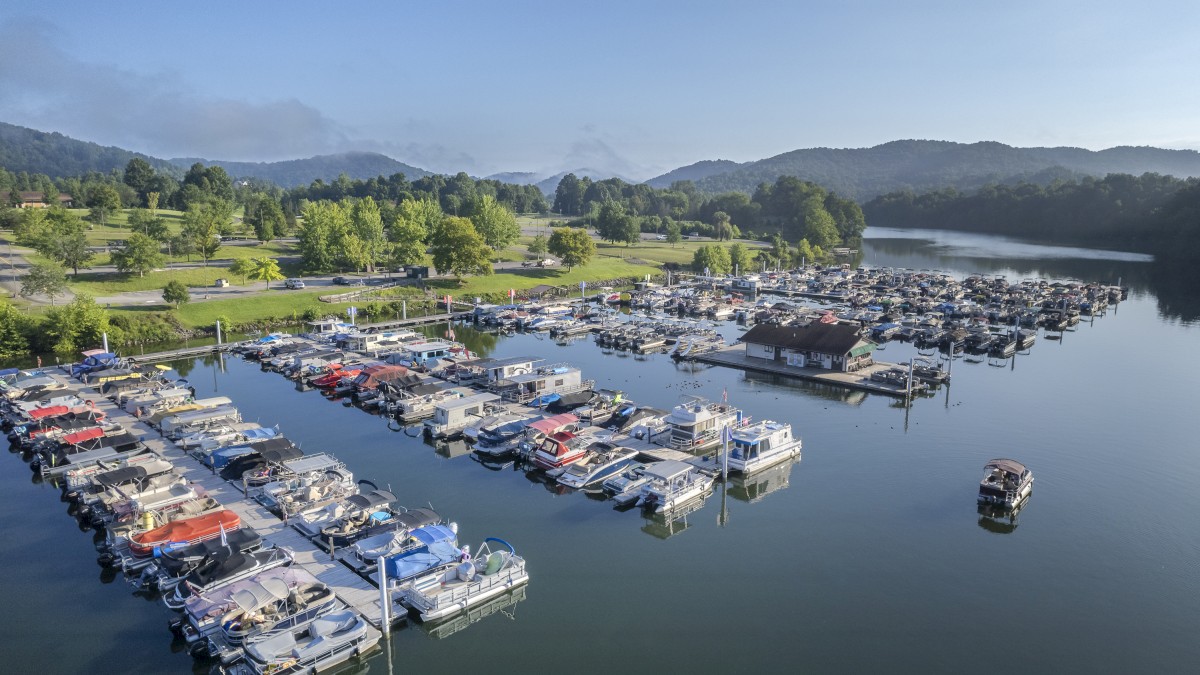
[347,281]
[221,283]
[661,237]
[293,284]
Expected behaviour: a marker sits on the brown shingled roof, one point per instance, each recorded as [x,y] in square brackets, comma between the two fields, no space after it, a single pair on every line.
[826,338]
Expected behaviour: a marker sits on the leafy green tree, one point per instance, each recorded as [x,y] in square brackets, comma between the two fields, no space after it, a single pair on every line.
[319,221]
[103,199]
[713,258]
[176,293]
[266,269]
[367,223]
[722,228]
[674,233]
[48,279]
[265,215]
[538,246]
[242,268]
[612,222]
[78,325]
[459,250]
[139,255]
[72,251]
[202,229]
[740,258]
[152,202]
[574,246]
[138,175]
[780,251]
[631,232]
[348,249]
[145,222]
[13,325]
[819,227]
[494,222]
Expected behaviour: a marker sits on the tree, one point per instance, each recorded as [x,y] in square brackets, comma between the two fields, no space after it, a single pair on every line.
[780,252]
[319,221]
[72,250]
[574,246]
[674,233]
[612,222]
[77,325]
[176,293]
[819,227]
[739,258]
[202,229]
[144,221]
[458,249]
[48,279]
[242,268]
[538,246]
[266,269]
[265,215]
[712,260]
[138,174]
[722,229]
[140,254]
[367,223]
[13,324]
[103,200]
[152,202]
[494,222]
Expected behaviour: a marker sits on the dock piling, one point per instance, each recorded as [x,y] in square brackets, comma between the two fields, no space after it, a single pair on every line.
[385,620]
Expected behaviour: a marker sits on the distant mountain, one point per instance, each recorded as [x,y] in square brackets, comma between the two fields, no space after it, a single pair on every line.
[694,172]
[863,173]
[517,177]
[58,156]
[295,172]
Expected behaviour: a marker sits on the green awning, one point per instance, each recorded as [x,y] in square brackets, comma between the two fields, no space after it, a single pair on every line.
[864,348]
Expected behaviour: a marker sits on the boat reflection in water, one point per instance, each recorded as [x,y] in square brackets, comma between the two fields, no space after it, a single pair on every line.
[451,449]
[758,485]
[1001,519]
[667,524]
[501,604]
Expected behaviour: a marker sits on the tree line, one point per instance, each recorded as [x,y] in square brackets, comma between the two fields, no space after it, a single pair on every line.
[1149,213]
[455,194]
[791,207]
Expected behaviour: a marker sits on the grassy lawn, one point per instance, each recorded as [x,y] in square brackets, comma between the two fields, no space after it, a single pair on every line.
[501,281]
[274,303]
[111,283]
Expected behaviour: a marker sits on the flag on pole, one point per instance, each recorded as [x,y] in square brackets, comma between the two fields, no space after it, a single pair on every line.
[512,295]
[725,395]
[224,539]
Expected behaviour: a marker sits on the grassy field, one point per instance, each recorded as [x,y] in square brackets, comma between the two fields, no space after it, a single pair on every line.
[111,283]
[501,281]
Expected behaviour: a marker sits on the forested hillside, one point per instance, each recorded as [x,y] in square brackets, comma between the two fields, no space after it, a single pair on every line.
[1152,213]
[920,166]
[24,150]
[296,172]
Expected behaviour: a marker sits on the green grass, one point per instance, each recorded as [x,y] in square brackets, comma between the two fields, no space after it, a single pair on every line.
[501,281]
[280,303]
[112,283]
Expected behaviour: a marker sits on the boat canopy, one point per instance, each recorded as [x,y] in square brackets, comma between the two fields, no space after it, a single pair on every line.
[260,594]
[667,469]
[417,518]
[97,352]
[125,474]
[1010,465]
[81,436]
[552,424]
[48,411]
[432,533]
[371,499]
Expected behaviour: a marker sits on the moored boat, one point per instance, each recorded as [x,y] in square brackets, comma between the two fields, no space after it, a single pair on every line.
[1005,483]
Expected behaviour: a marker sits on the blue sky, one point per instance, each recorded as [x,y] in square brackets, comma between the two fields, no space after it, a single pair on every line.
[635,88]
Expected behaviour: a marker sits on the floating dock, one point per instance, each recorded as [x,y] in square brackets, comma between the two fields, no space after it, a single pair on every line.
[734,356]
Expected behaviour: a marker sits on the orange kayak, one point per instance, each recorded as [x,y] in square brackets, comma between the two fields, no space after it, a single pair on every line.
[185,532]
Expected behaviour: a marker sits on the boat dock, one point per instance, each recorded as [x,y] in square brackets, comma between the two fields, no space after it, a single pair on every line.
[352,589]
[734,356]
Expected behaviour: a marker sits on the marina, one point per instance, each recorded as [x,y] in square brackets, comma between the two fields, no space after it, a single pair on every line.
[855,445]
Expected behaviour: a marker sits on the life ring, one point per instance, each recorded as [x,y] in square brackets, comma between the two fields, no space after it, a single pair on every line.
[89,403]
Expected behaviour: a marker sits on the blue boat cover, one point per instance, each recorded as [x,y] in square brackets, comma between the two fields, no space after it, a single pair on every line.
[431,533]
[10,371]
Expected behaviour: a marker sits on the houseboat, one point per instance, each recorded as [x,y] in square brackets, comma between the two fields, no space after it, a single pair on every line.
[761,445]
[695,424]
[554,379]
[672,484]
[451,417]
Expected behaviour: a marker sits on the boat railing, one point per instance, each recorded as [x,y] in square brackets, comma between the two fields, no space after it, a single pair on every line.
[459,593]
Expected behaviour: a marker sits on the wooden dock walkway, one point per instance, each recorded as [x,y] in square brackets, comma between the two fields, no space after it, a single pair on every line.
[355,591]
[181,353]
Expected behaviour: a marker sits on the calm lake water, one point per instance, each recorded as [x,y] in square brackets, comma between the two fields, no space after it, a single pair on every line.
[867,555]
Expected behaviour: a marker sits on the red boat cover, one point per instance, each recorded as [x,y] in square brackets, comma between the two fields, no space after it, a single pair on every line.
[187,530]
[81,436]
[48,411]
[552,424]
